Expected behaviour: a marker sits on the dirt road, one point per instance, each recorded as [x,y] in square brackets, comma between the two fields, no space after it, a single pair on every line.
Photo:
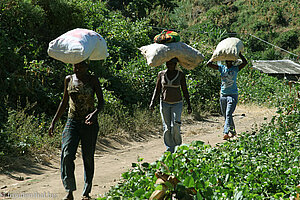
[43,182]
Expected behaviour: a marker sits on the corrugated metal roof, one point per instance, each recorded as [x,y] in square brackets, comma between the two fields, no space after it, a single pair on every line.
[277,66]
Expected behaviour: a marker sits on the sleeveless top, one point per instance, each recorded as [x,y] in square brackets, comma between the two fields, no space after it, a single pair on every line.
[81,99]
[171,92]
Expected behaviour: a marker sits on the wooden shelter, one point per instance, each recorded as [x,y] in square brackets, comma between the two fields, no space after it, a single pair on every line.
[279,68]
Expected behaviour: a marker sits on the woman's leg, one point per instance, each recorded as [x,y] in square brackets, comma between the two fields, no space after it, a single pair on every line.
[176,122]
[223,106]
[232,109]
[70,141]
[88,135]
[165,111]
[231,105]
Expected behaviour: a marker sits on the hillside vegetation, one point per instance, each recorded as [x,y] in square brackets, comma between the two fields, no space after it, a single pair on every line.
[31,84]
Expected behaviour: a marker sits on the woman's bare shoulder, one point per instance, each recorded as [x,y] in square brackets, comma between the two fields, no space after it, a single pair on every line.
[162,72]
[68,78]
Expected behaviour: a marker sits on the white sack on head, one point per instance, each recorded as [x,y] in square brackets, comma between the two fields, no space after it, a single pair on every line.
[78,45]
[228,49]
[158,54]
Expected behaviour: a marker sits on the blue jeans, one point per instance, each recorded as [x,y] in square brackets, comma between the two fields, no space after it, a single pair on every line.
[74,132]
[228,105]
[171,119]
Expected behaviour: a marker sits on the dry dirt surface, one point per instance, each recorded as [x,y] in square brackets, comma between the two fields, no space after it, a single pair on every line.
[114,157]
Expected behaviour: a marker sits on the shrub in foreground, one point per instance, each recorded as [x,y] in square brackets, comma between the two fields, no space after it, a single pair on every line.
[258,165]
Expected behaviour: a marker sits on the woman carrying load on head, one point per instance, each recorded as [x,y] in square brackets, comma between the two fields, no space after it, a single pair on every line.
[169,85]
[79,92]
[229,92]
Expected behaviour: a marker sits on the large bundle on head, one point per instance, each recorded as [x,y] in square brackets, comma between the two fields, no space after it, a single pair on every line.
[78,45]
[157,54]
[228,49]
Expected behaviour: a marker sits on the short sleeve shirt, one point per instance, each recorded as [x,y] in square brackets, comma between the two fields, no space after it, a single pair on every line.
[228,79]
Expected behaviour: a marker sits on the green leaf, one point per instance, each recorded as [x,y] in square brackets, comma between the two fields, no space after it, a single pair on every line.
[238,195]
[184,147]
[145,164]
[169,185]
[139,192]
[134,165]
[197,143]
[140,159]
[199,196]
[159,187]
[209,192]
[189,182]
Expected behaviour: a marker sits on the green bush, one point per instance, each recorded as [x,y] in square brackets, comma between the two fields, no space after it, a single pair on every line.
[260,25]
[271,54]
[256,45]
[259,165]
[138,9]
[204,86]
[25,134]
[288,40]
[28,74]
[260,88]
[26,29]
[278,18]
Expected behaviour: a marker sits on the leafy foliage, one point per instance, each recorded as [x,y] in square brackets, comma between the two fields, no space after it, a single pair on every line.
[273,21]
[253,166]
[137,9]
[258,165]
[25,34]
[25,134]
[266,90]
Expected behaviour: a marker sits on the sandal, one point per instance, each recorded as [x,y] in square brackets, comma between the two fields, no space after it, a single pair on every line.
[226,137]
[68,197]
[86,197]
[233,135]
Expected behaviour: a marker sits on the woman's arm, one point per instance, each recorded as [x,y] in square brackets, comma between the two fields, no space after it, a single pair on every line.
[156,92]
[92,117]
[211,65]
[61,108]
[186,93]
[244,63]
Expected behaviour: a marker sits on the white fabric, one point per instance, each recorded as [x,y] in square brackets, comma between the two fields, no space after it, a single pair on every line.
[78,45]
[157,54]
[228,49]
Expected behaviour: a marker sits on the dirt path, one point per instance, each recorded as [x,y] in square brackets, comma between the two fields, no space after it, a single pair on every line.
[43,182]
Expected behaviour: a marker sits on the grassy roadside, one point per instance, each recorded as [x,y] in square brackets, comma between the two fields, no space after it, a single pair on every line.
[261,164]
[26,134]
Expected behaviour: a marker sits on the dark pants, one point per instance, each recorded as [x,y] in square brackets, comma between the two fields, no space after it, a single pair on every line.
[74,132]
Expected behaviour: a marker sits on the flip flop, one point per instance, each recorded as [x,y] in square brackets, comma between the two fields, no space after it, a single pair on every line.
[68,198]
[226,137]
[86,198]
